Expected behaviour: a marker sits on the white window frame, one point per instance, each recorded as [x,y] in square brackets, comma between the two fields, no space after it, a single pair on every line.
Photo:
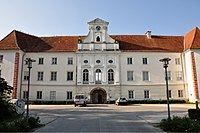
[25,94]
[129,61]
[146,94]
[41,61]
[52,95]
[1,58]
[170,93]
[179,75]
[130,75]
[177,61]
[145,61]
[98,76]
[131,94]
[144,74]
[53,76]
[26,75]
[54,61]
[40,76]
[111,76]
[85,76]
[70,75]
[180,93]
[39,95]
[69,95]
[169,75]
[70,61]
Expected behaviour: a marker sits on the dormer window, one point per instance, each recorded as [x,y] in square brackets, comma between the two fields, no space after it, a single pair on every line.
[98,39]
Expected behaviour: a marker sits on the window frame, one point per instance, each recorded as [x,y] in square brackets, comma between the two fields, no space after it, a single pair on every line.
[146,94]
[52,95]
[69,95]
[70,61]
[70,75]
[111,76]
[54,61]
[40,76]
[180,93]
[26,75]
[131,94]
[179,75]
[85,76]
[25,94]
[41,61]
[39,95]
[145,61]
[143,76]
[130,75]
[98,76]
[1,58]
[129,60]
[177,61]
[53,76]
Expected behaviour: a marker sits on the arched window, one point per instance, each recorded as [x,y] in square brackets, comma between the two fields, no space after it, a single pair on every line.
[98,39]
[98,76]
[110,76]
[85,76]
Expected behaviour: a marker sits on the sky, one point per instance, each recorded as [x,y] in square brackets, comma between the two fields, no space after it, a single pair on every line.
[125,17]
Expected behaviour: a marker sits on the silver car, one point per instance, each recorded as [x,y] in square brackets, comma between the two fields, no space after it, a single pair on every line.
[121,101]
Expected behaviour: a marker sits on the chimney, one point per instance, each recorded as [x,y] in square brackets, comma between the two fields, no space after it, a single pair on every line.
[148,34]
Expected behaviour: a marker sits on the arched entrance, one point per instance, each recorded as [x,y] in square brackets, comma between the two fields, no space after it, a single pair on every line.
[98,96]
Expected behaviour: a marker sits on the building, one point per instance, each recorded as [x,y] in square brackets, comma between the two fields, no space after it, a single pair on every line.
[102,66]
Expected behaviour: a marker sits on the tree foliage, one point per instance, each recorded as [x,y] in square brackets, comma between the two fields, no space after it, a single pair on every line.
[5,90]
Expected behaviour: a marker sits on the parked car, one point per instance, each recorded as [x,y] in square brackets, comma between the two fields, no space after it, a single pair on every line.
[80,99]
[121,101]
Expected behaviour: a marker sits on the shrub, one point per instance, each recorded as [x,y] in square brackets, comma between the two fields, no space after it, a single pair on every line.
[51,102]
[179,124]
[194,114]
[154,101]
[34,122]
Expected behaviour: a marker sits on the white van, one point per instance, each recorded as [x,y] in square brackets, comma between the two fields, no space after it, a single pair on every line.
[80,99]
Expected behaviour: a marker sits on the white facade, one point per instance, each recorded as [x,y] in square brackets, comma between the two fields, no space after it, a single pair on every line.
[102,71]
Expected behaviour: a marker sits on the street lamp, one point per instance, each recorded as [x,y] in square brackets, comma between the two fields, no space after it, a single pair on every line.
[165,65]
[29,63]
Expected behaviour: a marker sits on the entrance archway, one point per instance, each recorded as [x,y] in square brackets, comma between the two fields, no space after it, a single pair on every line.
[98,96]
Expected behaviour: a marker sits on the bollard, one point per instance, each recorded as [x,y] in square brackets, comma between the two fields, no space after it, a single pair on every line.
[197,105]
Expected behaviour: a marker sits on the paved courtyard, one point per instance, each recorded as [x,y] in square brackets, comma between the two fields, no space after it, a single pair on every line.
[104,117]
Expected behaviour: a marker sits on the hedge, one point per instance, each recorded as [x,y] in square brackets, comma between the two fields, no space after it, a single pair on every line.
[51,102]
[194,114]
[154,101]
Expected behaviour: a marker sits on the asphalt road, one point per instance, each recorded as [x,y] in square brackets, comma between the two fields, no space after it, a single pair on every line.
[103,118]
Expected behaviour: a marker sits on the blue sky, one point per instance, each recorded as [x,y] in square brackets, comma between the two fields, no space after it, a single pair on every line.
[70,17]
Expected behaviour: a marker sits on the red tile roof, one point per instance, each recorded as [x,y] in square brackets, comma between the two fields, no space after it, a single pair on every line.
[192,39]
[138,43]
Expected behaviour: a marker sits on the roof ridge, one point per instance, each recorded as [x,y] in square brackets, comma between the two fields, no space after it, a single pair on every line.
[194,36]
[16,41]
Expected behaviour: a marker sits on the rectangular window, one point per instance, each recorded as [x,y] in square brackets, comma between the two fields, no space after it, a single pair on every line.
[52,95]
[70,61]
[131,94]
[69,76]
[169,75]
[129,60]
[177,61]
[54,61]
[1,58]
[69,95]
[53,76]
[145,75]
[180,93]
[25,94]
[129,75]
[179,75]
[40,76]
[39,94]
[41,61]
[170,93]
[144,61]
[146,94]
[26,75]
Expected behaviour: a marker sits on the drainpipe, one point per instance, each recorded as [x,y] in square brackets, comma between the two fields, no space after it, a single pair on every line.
[22,67]
[184,72]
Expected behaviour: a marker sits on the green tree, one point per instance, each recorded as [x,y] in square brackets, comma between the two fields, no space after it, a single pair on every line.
[7,109]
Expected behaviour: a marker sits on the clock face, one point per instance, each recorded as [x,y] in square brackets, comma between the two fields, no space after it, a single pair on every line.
[98,28]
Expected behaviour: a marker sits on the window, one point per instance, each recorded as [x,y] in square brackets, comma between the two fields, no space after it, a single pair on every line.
[52,95]
[180,93]
[69,76]
[169,75]
[145,75]
[70,61]
[69,95]
[41,61]
[26,75]
[1,58]
[40,76]
[131,94]
[54,61]
[53,76]
[0,73]
[129,75]
[39,94]
[146,94]
[98,39]
[110,61]
[85,76]
[25,94]
[26,61]
[144,61]
[170,93]
[98,61]
[129,61]
[179,75]
[85,61]
[98,75]
[177,61]
[110,76]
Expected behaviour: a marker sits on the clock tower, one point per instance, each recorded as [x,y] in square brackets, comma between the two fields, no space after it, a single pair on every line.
[98,32]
